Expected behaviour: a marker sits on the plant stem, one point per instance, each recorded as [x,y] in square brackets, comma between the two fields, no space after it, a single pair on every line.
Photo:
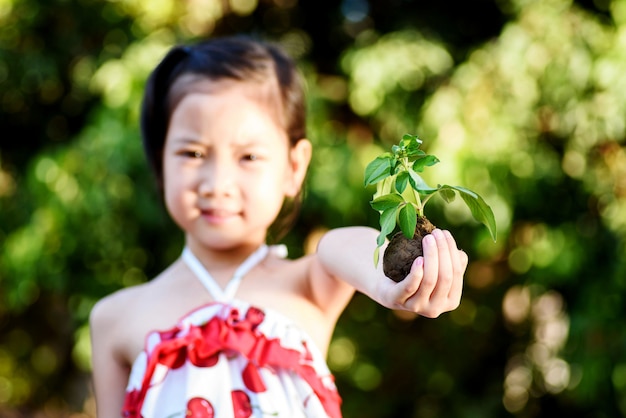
[420,204]
[427,198]
[416,195]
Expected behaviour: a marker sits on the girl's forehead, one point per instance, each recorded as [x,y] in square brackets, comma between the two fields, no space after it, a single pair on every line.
[265,92]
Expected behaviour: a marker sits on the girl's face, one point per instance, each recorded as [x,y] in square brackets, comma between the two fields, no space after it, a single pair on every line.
[227,163]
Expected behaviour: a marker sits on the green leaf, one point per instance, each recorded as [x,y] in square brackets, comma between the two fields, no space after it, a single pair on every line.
[407,218]
[387,201]
[411,141]
[410,196]
[415,154]
[384,187]
[376,255]
[387,222]
[419,184]
[396,166]
[378,169]
[401,181]
[479,208]
[447,194]
[380,239]
[425,161]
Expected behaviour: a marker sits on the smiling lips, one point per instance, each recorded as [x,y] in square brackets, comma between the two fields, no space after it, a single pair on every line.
[218,216]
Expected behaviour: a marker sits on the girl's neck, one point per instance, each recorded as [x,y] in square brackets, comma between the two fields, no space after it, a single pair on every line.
[222,260]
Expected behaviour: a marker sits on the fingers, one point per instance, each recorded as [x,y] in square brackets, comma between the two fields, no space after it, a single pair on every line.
[459,262]
[428,284]
[444,276]
[435,282]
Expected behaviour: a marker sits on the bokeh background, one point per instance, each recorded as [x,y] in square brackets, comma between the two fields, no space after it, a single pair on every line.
[523,101]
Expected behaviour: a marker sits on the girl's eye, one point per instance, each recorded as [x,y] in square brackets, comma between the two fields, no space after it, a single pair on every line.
[191,154]
[251,157]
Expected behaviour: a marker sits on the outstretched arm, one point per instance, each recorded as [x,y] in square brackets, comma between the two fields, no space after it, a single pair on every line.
[433,286]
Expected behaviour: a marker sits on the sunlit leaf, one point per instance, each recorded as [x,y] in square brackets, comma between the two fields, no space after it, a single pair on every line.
[385,186]
[377,254]
[377,170]
[388,201]
[401,181]
[411,140]
[407,218]
[419,184]
[414,154]
[447,194]
[388,221]
[396,166]
[380,239]
[481,211]
[426,161]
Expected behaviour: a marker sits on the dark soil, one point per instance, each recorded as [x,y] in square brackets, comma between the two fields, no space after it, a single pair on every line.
[401,252]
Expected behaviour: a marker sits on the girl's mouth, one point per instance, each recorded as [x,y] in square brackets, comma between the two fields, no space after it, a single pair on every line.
[218,216]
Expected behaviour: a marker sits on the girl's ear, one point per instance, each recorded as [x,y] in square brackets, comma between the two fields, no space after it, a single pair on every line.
[299,158]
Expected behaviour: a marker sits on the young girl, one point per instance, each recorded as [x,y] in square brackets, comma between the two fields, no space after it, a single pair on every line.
[232,328]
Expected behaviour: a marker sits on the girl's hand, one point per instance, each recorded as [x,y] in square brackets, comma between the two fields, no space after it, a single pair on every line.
[435,283]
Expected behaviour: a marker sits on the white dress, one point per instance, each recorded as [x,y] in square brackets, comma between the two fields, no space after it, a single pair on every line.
[229,359]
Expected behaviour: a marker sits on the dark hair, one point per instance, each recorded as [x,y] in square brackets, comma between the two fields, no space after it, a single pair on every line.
[238,58]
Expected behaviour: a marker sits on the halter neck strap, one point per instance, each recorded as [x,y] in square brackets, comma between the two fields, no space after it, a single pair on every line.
[209,282]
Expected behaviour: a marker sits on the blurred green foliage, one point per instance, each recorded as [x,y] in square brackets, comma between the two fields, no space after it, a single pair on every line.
[523,101]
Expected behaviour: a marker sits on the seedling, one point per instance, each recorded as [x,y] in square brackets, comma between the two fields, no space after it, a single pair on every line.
[400,198]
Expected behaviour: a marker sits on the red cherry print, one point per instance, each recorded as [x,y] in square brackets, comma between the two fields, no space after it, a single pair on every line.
[241,404]
[199,408]
[255,316]
[252,379]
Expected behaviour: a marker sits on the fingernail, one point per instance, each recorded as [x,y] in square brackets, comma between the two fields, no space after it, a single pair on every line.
[429,239]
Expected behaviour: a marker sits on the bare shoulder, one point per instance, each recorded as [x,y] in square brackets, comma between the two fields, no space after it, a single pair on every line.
[109,319]
[109,310]
[125,317]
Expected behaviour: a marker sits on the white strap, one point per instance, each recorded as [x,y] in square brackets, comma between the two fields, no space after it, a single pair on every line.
[233,284]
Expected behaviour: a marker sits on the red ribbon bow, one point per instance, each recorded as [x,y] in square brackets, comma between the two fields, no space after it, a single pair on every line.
[202,344]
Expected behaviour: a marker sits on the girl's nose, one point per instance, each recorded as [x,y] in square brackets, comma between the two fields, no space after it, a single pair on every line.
[216,177]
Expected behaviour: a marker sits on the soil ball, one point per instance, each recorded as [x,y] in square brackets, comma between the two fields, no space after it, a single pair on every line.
[401,251]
